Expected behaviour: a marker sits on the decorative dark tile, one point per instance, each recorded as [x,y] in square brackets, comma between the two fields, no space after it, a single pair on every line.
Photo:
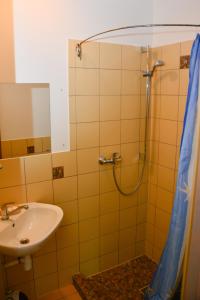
[30,149]
[185,62]
[124,282]
[58,172]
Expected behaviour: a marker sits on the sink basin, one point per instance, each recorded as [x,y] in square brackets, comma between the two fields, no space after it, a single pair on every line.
[26,232]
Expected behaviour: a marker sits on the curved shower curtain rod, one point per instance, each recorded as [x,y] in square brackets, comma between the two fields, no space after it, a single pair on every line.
[79,50]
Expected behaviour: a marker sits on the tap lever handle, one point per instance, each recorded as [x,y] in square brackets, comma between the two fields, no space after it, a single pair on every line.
[5,205]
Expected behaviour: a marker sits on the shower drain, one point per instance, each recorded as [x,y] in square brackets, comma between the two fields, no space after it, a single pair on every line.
[24,241]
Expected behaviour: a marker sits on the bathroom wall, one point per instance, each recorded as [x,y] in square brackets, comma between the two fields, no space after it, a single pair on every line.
[167,111]
[100,228]
[44,55]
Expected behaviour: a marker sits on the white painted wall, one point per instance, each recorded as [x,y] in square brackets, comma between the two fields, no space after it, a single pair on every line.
[41,29]
[175,11]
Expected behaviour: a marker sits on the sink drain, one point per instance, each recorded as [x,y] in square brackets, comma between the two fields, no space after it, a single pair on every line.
[24,241]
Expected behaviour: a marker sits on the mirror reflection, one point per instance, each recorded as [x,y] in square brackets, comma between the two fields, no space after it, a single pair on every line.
[24,119]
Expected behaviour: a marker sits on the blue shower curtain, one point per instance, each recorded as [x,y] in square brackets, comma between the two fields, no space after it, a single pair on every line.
[163,283]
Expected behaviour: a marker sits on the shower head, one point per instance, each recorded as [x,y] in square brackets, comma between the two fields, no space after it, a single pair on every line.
[158,63]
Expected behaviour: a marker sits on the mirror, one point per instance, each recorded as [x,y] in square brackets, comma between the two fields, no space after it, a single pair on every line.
[24,119]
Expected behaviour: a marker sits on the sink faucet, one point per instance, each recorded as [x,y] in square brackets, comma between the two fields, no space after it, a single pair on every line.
[5,214]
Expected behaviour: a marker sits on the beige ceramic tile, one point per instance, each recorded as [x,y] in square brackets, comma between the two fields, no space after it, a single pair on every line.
[49,246]
[181,108]
[72,137]
[168,132]
[170,82]
[129,177]
[87,82]
[186,47]
[129,131]
[46,284]
[70,210]
[88,207]
[141,214]
[184,81]
[67,160]
[19,147]
[110,56]
[166,178]
[128,201]
[67,236]
[109,133]
[87,160]
[156,83]
[107,182]
[153,173]
[89,229]
[152,194]
[6,150]
[110,82]
[128,217]
[68,257]
[130,107]
[72,81]
[65,276]
[154,129]
[88,185]
[152,152]
[17,275]
[162,220]
[164,200]
[141,232]
[160,239]
[109,202]
[155,106]
[40,192]
[89,250]
[45,264]
[72,109]
[38,168]
[129,153]
[126,254]
[109,108]
[108,261]
[12,172]
[109,243]
[151,211]
[167,155]
[65,189]
[87,135]
[16,194]
[171,56]
[131,57]
[127,237]
[87,108]
[72,52]
[89,268]
[179,135]
[109,223]
[89,56]
[169,107]
[131,82]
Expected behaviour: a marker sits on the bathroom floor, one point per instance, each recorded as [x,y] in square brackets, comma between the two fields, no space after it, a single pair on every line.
[123,282]
[67,293]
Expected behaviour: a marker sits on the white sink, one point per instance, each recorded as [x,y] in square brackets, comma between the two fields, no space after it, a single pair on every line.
[32,226]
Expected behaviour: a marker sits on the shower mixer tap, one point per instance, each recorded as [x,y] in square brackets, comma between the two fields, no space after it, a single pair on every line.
[116,157]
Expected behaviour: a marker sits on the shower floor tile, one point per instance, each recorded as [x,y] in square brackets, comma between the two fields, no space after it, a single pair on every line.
[123,282]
